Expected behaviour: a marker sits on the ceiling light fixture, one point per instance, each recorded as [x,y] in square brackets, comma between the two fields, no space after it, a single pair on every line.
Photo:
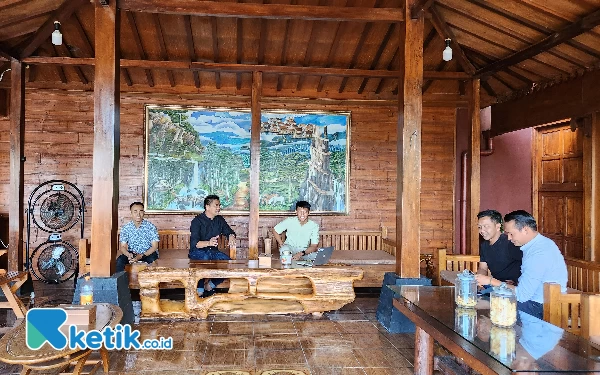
[56,35]
[447,54]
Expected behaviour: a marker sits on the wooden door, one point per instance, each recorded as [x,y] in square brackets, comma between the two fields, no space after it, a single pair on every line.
[559,182]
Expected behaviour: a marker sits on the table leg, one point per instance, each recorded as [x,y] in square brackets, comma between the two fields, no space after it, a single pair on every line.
[104,355]
[80,363]
[26,370]
[423,353]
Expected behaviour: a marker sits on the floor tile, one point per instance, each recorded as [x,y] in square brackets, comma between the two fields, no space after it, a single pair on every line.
[232,328]
[340,316]
[232,318]
[401,340]
[277,342]
[231,342]
[278,358]
[357,327]
[273,328]
[389,371]
[306,328]
[324,370]
[283,371]
[331,357]
[383,357]
[325,341]
[371,341]
[216,356]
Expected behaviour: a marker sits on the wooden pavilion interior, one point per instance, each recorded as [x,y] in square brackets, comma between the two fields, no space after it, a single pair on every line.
[524,74]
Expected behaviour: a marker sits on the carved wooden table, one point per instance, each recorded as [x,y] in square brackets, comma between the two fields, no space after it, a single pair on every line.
[275,290]
[14,350]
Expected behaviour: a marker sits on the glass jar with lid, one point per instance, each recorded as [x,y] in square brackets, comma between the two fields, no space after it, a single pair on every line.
[465,294]
[503,306]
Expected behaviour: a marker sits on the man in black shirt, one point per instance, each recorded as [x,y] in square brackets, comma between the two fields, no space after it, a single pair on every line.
[205,230]
[497,253]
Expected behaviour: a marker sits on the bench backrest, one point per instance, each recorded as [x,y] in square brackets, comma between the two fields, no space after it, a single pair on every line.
[583,275]
[562,309]
[455,262]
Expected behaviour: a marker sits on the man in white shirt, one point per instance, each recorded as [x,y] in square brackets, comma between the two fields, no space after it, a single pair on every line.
[302,234]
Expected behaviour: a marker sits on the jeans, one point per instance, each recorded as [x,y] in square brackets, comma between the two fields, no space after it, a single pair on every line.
[532,308]
[198,254]
[122,260]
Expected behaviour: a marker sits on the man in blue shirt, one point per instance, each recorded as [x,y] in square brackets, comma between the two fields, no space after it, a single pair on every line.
[542,263]
[138,239]
[205,231]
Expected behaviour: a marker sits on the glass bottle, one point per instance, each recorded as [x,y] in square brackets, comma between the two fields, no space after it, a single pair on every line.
[86,296]
[466,289]
[286,257]
[503,306]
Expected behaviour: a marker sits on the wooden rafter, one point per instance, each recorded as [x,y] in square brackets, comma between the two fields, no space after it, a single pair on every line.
[59,68]
[246,68]
[334,46]
[163,48]
[240,48]
[507,32]
[488,88]
[275,11]
[445,32]
[510,71]
[215,45]
[140,48]
[262,41]
[438,68]
[378,54]
[191,50]
[389,67]
[575,29]
[78,70]
[283,58]
[8,53]
[479,61]
[420,7]
[357,50]
[310,48]
[61,14]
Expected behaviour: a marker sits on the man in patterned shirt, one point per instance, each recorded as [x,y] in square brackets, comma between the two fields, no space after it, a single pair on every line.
[138,240]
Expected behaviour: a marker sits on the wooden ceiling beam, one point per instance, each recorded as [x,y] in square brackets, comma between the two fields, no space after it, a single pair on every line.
[573,30]
[427,83]
[445,32]
[244,68]
[309,52]
[59,68]
[420,7]
[283,58]
[191,50]
[7,53]
[140,48]
[62,14]
[274,11]
[162,46]
[334,46]
[510,71]
[377,56]
[78,70]
[389,67]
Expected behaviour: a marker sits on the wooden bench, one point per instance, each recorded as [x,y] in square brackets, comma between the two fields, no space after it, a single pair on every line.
[572,311]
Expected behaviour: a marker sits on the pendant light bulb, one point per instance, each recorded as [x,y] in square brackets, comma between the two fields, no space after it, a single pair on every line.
[447,54]
[56,35]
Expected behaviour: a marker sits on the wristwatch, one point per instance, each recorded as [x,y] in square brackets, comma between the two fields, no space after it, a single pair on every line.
[303,252]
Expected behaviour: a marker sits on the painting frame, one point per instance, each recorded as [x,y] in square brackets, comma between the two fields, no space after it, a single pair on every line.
[182,141]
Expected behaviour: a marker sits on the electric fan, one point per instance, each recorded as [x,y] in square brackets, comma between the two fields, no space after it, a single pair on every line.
[54,207]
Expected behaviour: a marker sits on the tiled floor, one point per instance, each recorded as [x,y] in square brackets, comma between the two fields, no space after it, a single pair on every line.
[349,342]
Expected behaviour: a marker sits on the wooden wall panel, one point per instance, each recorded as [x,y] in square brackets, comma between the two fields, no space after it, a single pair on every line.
[61,123]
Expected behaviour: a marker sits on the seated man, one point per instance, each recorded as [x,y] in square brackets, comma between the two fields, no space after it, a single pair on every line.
[139,239]
[496,252]
[542,263]
[204,240]
[302,234]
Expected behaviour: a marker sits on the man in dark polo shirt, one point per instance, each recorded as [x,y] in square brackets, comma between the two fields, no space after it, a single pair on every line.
[496,252]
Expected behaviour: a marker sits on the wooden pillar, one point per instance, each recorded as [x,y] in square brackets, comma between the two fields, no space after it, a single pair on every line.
[474,191]
[105,189]
[410,111]
[254,166]
[17,157]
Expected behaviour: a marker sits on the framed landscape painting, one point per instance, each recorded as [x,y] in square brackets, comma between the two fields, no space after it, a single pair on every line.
[193,152]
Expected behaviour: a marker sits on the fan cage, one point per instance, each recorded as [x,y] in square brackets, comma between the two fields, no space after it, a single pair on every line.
[47,258]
